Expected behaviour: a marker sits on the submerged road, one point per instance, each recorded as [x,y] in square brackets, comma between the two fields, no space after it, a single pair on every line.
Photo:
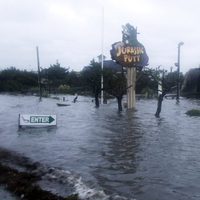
[101,154]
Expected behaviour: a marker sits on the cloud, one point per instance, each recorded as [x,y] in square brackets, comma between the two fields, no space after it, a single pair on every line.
[70,31]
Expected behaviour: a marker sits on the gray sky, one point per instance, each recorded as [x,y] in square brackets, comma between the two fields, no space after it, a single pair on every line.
[70,31]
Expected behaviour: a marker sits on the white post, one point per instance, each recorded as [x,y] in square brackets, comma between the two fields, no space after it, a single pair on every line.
[39,75]
[159,84]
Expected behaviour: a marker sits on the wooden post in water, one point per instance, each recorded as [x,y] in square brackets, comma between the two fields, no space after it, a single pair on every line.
[131,82]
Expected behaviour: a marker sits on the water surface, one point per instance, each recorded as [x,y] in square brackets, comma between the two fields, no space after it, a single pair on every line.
[109,155]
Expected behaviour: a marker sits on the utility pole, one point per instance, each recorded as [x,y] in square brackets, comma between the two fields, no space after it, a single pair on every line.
[39,75]
[178,72]
[102,56]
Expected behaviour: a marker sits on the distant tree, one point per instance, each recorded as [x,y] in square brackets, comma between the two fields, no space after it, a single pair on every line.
[14,80]
[91,77]
[168,82]
[145,83]
[171,79]
[115,84]
[63,88]
[74,79]
[191,85]
[55,76]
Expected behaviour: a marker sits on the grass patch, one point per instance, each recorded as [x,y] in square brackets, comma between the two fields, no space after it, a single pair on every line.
[193,112]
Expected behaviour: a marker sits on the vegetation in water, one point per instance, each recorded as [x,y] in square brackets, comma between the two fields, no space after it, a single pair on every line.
[193,112]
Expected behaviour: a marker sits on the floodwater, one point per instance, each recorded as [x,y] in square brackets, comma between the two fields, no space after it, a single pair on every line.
[102,154]
[5,195]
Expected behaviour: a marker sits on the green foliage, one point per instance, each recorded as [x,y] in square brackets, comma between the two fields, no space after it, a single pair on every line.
[171,79]
[88,81]
[149,78]
[193,112]
[63,88]
[55,75]
[145,80]
[148,92]
[12,80]
[74,79]
[191,85]
[91,77]
[114,83]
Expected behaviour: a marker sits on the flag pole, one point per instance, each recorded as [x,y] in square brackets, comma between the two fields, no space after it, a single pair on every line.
[102,56]
[39,75]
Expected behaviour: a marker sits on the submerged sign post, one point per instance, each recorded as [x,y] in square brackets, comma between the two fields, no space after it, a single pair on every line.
[131,54]
[37,120]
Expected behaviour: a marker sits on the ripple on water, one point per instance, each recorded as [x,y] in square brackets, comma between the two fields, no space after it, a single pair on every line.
[126,155]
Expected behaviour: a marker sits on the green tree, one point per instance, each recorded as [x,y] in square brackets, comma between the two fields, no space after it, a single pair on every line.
[191,84]
[168,82]
[91,76]
[55,76]
[14,80]
[145,83]
[74,79]
[115,84]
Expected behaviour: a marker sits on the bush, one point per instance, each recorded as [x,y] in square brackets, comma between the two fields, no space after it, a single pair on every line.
[63,88]
[193,112]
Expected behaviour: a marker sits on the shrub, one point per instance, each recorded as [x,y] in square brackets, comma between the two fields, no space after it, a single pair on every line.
[193,112]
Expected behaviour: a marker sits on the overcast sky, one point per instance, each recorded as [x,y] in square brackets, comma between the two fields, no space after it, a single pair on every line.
[70,31]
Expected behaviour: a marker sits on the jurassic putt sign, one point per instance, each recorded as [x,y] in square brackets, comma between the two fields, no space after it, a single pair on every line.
[129,52]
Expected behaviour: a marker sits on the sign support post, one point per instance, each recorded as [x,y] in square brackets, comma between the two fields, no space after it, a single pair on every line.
[131,83]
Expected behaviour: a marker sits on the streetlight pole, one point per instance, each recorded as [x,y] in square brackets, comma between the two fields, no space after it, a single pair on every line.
[178,71]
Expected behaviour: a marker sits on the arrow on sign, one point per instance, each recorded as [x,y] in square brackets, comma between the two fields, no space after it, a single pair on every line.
[51,119]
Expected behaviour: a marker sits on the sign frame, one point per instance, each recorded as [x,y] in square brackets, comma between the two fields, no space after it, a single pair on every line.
[37,120]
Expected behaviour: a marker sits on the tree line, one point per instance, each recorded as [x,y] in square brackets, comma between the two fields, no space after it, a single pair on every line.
[58,79]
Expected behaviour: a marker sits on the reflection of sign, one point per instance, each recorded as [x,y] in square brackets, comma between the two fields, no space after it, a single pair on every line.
[129,56]
[37,120]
